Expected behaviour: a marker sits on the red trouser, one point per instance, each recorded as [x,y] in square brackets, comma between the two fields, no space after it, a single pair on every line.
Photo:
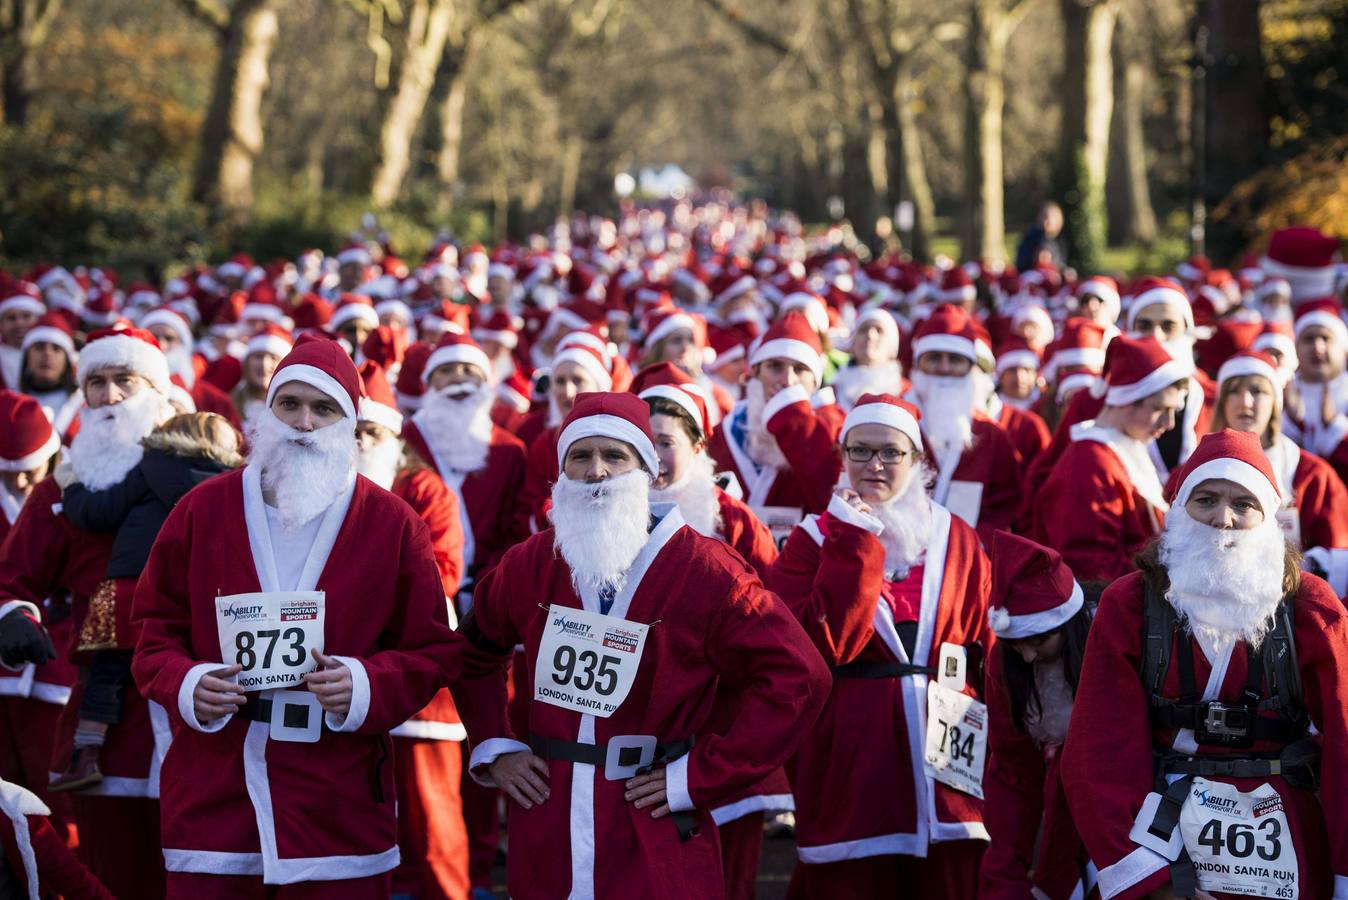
[119,842]
[27,732]
[483,820]
[950,872]
[194,886]
[741,845]
[431,834]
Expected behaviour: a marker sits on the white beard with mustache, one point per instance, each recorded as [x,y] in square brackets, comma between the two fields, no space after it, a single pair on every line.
[107,445]
[853,381]
[456,422]
[760,444]
[695,494]
[1225,583]
[907,520]
[306,471]
[381,462]
[600,528]
[947,403]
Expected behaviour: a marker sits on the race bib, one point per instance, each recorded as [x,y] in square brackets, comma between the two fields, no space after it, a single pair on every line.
[587,661]
[965,499]
[1290,523]
[270,634]
[957,739]
[779,521]
[1239,842]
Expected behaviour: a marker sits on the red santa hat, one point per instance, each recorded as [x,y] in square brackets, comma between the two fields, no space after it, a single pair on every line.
[22,295]
[271,339]
[378,405]
[311,311]
[1080,346]
[459,348]
[811,305]
[354,253]
[394,307]
[1033,591]
[791,337]
[887,410]
[663,321]
[1153,291]
[1136,368]
[236,266]
[514,390]
[385,345]
[735,287]
[103,310]
[52,328]
[623,417]
[1016,353]
[590,360]
[1305,257]
[129,348]
[956,287]
[1033,312]
[1104,287]
[409,386]
[949,329]
[263,304]
[1250,362]
[445,316]
[666,381]
[1229,455]
[320,363]
[172,319]
[351,307]
[1324,313]
[884,319]
[27,439]
[726,345]
[501,328]
[1278,336]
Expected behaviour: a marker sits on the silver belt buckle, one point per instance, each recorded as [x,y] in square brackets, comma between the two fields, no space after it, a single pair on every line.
[614,770]
[296,716]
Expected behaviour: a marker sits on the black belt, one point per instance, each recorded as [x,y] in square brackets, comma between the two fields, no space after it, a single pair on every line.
[859,669]
[257,708]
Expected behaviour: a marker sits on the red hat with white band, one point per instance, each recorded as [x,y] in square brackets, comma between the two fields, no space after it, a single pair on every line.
[667,381]
[1305,257]
[134,349]
[1324,313]
[1278,336]
[271,339]
[52,328]
[378,405]
[1250,362]
[665,320]
[949,329]
[172,319]
[1033,591]
[1016,353]
[1235,456]
[590,360]
[321,363]
[351,307]
[27,439]
[22,295]
[1136,368]
[623,417]
[887,410]
[457,348]
[791,337]
[1154,291]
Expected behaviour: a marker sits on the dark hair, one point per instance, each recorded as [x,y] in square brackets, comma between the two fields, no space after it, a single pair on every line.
[661,406]
[1018,675]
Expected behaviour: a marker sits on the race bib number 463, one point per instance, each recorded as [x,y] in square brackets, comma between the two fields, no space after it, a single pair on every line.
[587,661]
[1239,842]
[270,634]
[957,739]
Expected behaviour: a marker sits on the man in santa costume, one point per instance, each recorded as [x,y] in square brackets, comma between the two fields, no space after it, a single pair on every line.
[248,803]
[977,466]
[874,367]
[649,626]
[886,583]
[125,382]
[1017,379]
[1190,765]
[779,441]
[1104,499]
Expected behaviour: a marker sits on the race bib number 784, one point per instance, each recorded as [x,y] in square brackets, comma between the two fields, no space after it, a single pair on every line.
[270,635]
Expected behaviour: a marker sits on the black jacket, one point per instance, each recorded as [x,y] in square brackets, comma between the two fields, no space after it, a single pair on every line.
[136,507]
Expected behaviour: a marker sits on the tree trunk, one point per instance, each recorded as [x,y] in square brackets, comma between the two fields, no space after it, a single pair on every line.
[451,92]
[1132,218]
[24,25]
[14,71]
[1087,94]
[570,176]
[914,184]
[984,232]
[427,30]
[231,134]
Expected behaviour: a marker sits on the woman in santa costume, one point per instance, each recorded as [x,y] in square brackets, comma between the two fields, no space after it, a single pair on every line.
[346,571]
[675,336]
[1316,416]
[635,628]
[886,583]
[874,367]
[1040,617]
[1191,765]
[1104,500]
[428,765]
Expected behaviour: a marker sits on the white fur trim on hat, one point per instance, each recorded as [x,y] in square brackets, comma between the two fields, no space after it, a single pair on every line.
[1234,470]
[380,414]
[1024,359]
[945,343]
[508,339]
[615,427]
[678,396]
[315,378]
[1091,357]
[269,343]
[885,320]
[1306,282]
[1154,382]
[1097,288]
[172,320]
[267,312]
[669,325]
[23,302]
[354,255]
[1161,295]
[1013,628]
[34,459]
[123,351]
[1274,340]
[1077,380]
[462,353]
[1324,319]
[46,334]
[787,348]
[1237,366]
[385,307]
[348,311]
[886,414]
[587,361]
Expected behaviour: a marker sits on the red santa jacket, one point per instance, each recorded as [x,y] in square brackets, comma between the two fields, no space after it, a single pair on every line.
[43,557]
[211,399]
[743,531]
[858,779]
[716,634]
[1028,433]
[50,682]
[1092,509]
[1108,767]
[540,474]
[807,435]
[234,800]
[36,854]
[990,462]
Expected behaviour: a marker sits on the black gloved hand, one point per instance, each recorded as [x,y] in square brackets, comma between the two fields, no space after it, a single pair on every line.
[22,640]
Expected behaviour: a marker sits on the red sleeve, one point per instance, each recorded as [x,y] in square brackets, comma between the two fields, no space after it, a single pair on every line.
[1001,492]
[1080,514]
[808,441]
[34,553]
[59,871]
[162,609]
[437,506]
[749,536]
[480,695]
[539,475]
[1322,504]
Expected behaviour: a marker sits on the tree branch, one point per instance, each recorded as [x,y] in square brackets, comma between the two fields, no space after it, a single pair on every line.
[209,12]
[1015,12]
[749,29]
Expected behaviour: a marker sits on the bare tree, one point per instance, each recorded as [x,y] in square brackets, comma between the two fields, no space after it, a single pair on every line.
[1131,216]
[24,26]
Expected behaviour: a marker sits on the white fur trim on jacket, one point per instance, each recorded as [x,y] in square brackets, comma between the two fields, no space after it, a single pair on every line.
[1128,871]
[360,698]
[186,707]
[779,401]
[19,803]
[843,511]
[676,785]
[488,752]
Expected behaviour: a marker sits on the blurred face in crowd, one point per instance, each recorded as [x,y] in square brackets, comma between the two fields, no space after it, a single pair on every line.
[455,373]
[1248,404]
[1320,355]
[569,380]
[675,448]
[1162,321]
[939,362]
[257,369]
[1224,504]
[499,288]
[1150,417]
[597,458]
[868,344]
[112,385]
[14,324]
[780,373]
[1050,217]
[892,460]
[680,348]
[351,275]
[370,435]
[355,331]
[304,407]
[1092,307]
[1017,382]
[166,336]
[46,364]
[21,484]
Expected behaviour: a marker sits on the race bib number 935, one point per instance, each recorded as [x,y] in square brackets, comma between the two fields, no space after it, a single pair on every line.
[270,635]
[587,661]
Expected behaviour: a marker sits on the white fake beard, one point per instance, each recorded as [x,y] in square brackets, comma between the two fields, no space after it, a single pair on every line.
[761,445]
[307,471]
[456,422]
[947,403]
[1226,583]
[108,443]
[600,528]
[695,494]
[381,462]
[180,364]
[853,381]
[907,521]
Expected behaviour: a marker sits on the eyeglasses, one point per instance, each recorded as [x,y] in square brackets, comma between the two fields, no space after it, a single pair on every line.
[890,456]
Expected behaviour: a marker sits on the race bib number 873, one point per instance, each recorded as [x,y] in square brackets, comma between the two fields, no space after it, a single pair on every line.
[587,661]
[270,635]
